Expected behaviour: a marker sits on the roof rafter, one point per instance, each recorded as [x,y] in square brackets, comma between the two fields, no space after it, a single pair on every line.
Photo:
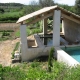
[70,18]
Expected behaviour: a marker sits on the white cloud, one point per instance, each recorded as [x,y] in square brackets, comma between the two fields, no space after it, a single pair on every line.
[69,2]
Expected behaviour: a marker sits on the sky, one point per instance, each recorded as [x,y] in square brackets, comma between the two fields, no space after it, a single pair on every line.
[68,2]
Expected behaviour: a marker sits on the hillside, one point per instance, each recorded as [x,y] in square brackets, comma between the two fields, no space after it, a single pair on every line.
[10,12]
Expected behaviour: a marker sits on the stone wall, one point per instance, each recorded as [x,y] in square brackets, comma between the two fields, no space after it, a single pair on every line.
[33,53]
[71,30]
[9,26]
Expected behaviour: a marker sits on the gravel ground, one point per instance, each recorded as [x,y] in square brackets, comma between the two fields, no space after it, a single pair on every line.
[6,48]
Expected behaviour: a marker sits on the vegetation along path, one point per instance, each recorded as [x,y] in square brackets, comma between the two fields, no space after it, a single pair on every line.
[6,48]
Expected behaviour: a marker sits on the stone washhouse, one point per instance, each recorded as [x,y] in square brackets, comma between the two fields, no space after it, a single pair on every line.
[70,29]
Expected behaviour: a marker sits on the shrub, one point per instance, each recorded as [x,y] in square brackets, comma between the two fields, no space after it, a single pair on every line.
[28,32]
[50,59]
[4,38]
[5,33]
[36,31]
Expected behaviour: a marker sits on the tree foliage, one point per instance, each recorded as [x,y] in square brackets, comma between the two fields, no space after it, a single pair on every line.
[10,12]
[11,4]
[46,3]
[77,7]
[1,10]
[68,8]
[33,6]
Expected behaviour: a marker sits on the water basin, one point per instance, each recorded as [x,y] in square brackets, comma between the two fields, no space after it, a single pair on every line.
[73,52]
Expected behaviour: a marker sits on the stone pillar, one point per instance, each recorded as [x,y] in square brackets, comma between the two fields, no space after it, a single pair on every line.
[24,45]
[56,28]
[63,26]
[45,25]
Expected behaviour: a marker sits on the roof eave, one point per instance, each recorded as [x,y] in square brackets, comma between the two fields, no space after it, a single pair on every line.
[21,19]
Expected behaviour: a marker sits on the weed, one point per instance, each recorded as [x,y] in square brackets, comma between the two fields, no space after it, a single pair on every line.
[50,59]
[16,48]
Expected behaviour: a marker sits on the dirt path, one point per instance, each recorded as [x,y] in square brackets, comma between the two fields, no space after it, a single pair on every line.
[6,48]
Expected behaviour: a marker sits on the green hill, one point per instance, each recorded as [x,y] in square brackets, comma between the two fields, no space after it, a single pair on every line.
[10,12]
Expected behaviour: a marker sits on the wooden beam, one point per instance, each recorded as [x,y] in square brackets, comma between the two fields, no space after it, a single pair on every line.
[70,18]
[40,18]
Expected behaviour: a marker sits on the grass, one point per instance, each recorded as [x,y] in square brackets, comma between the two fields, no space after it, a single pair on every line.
[17,33]
[15,49]
[50,59]
[28,31]
[39,71]
[11,73]
[5,35]
[30,71]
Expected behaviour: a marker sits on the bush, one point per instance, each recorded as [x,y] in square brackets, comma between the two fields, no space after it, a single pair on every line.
[28,32]
[6,31]
[10,16]
[50,59]
[5,34]
[36,31]
[4,38]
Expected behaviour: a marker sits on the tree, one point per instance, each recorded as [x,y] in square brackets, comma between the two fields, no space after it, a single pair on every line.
[46,3]
[33,6]
[67,7]
[1,10]
[77,7]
